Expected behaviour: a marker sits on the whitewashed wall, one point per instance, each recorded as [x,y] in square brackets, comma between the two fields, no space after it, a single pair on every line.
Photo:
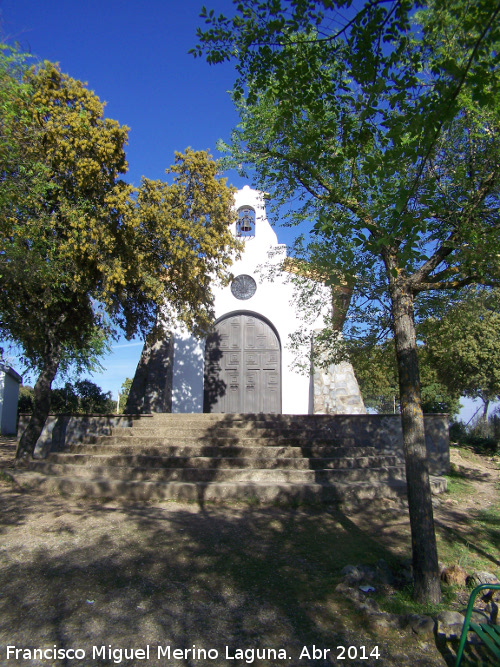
[272,300]
[9,394]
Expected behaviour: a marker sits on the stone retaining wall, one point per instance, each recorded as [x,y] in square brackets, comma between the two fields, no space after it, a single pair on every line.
[385,433]
[61,431]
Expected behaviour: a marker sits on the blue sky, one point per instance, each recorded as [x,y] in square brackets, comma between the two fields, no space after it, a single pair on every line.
[134,55]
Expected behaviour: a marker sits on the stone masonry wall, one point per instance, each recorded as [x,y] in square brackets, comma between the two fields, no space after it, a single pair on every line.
[151,389]
[386,434]
[336,391]
[61,431]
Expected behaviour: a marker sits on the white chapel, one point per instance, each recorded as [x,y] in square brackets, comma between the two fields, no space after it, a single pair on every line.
[246,364]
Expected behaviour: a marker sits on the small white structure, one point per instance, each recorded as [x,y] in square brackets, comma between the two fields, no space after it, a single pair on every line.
[9,395]
[245,366]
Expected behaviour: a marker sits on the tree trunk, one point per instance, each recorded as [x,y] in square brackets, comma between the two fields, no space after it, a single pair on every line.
[41,403]
[423,538]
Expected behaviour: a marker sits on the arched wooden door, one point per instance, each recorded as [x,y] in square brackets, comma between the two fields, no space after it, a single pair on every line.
[242,366]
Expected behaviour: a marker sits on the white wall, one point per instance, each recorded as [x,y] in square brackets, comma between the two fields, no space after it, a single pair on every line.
[187,379]
[273,300]
[9,394]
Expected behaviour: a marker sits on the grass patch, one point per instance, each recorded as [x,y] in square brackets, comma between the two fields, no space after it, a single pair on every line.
[473,543]
[401,602]
[457,485]
[490,515]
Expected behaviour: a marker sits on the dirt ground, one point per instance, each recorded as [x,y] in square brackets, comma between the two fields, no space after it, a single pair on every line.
[99,578]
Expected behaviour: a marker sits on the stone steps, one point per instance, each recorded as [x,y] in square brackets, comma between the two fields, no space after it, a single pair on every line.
[190,438]
[248,493]
[219,462]
[219,436]
[212,474]
[160,447]
[223,458]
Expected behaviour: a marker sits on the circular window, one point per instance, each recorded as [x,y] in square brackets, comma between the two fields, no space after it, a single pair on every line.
[243,287]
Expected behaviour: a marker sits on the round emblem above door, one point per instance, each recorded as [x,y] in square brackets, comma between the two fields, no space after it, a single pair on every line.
[243,287]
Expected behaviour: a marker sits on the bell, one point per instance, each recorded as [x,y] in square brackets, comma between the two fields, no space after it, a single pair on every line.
[245,225]
[246,222]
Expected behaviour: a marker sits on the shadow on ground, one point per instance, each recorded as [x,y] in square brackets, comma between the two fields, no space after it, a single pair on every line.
[80,575]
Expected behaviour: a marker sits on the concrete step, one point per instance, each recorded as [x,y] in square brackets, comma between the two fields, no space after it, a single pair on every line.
[202,462]
[229,418]
[163,447]
[375,461]
[338,425]
[226,437]
[198,474]
[227,432]
[222,462]
[213,492]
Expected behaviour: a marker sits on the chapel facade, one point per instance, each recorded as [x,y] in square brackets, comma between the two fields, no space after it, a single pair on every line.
[246,365]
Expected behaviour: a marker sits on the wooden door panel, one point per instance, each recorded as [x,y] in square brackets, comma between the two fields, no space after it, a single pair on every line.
[250,395]
[272,392]
[242,367]
[271,360]
[231,360]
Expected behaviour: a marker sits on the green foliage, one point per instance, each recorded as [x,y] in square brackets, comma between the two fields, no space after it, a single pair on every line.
[376,371]
[480,436]
[93,399]
[82,397]
[464,345]
[436,396]
[401,602]
[19,131]
[83,252]
[481,444]
[124,392]
[385,148]
[25,401]
[64,399]
[458,431]
[384,132]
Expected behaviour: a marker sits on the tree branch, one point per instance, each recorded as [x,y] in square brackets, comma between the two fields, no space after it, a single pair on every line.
[457,284]
[432,263]
[339,33]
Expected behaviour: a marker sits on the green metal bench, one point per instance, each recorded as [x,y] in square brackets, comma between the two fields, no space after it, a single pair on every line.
[490,634]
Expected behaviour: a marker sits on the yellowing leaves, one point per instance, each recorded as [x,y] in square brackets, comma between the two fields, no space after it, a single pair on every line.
[85,237]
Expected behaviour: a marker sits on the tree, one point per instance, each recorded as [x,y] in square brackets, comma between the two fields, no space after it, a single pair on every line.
[93,399]
[464,346]
[18,175]
[377,375]
[83,254]
[64,400]
[25,401]
[124,392]
[81,397]
[383,128]
[436,396]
